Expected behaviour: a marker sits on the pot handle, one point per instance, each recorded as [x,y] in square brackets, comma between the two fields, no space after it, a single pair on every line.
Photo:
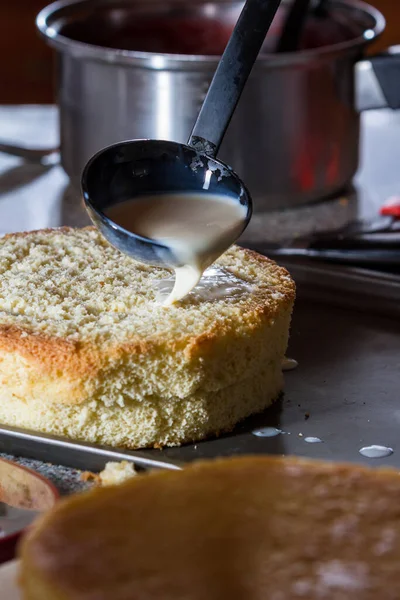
[378,80]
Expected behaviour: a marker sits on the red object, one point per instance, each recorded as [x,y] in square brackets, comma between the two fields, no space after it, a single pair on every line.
[22,488]
[391,208]
[161,34]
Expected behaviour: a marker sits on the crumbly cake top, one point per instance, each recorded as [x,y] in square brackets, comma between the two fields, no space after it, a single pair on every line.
[71,283]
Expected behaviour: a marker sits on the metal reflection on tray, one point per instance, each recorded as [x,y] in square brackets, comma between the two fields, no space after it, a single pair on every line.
[374,242]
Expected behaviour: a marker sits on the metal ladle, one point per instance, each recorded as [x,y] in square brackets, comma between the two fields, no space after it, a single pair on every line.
[136,168]
[321,9]
[293,26]
[295,22]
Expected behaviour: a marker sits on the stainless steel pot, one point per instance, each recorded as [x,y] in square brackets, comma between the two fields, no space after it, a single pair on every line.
[295,135]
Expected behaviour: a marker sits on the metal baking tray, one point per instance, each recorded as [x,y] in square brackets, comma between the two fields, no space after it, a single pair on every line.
[345,336]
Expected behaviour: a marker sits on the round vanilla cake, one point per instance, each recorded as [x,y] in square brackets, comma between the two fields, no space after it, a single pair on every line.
[87,349]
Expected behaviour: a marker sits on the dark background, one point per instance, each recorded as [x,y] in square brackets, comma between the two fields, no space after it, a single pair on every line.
[26,61]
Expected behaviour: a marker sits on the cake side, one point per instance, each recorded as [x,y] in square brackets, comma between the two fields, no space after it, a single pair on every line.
[152,421]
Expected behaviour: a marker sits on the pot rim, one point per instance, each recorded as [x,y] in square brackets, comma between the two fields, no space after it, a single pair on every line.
[159,61]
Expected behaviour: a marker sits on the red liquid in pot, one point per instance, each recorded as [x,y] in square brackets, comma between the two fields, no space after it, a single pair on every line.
[191,34]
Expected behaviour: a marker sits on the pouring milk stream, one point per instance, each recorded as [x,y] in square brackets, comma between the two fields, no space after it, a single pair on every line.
[197,227]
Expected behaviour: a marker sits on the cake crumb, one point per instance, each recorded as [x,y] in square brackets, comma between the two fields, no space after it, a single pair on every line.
[117,472]
[89,477]
[114,473]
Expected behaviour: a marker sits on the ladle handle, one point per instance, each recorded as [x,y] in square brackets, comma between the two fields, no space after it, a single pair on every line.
[231,75]
[294,26]
[321,8]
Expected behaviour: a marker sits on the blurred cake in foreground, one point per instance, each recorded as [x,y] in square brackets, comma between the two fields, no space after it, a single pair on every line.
[243,528]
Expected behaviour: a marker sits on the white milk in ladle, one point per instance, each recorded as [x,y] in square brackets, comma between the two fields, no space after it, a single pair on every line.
[197,227]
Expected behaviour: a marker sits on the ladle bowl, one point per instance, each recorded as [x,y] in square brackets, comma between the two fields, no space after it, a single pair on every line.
[137,168]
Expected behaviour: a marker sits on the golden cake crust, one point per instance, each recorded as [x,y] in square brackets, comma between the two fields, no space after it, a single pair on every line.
[251,527]
[87,352]
[83,358]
